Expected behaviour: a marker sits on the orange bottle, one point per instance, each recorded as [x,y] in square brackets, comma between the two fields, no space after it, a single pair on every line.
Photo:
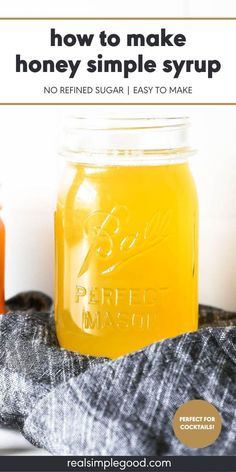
[2,264]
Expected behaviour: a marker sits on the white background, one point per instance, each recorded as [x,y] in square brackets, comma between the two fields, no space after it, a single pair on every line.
[121,8]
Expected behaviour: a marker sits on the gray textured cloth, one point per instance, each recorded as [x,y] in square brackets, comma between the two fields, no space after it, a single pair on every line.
[73,404]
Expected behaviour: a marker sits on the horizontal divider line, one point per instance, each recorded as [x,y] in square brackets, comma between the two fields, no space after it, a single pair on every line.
[118,103]
[198,18]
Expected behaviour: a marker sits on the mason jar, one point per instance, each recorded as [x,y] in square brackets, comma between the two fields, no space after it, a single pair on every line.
[126,236]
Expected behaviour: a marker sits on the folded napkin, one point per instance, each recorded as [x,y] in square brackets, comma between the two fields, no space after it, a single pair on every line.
[69,403]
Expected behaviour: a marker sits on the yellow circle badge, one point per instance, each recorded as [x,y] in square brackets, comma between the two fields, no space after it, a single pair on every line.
[197,423]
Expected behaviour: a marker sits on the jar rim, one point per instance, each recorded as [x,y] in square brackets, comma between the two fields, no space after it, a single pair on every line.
[111,123]
[126,140]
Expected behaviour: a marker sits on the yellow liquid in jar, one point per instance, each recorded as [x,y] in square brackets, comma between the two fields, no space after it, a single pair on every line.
[126,257]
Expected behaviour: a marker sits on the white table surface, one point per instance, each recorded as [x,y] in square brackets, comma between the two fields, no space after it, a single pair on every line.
[12,443]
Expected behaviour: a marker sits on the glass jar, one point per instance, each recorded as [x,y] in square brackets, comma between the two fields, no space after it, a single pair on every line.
[126,230]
